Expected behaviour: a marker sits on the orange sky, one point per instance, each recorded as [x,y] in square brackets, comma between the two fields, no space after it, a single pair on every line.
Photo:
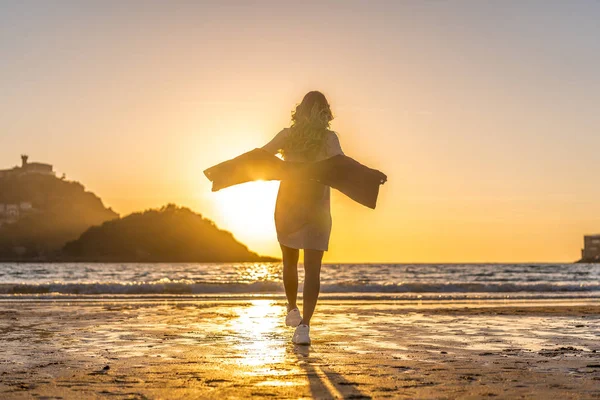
[483,116]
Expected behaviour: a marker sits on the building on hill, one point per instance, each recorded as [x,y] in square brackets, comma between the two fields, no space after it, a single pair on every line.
[28,168]
[591,248]
[10,213]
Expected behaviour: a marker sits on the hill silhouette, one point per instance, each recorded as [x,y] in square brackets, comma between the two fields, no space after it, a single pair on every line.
[169,234]
[59,212]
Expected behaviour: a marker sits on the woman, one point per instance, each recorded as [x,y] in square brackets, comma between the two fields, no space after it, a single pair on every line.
[302,212]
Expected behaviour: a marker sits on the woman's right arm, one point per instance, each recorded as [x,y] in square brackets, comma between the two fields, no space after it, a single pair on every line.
[276,144]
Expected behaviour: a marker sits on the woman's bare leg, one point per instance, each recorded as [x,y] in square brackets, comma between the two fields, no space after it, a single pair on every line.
[290,275]
[312,283]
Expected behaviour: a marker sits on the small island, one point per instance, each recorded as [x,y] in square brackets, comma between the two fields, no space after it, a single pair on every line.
[170,234]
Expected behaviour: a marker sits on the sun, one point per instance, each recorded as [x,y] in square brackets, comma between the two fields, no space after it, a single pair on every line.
[248,209]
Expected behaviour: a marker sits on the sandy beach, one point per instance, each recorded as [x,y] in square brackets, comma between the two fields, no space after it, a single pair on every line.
[169,348]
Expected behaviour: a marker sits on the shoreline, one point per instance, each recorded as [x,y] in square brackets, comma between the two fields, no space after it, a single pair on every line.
[399,298]
[75,260]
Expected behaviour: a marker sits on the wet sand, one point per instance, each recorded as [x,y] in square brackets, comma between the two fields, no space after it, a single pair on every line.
[171,349]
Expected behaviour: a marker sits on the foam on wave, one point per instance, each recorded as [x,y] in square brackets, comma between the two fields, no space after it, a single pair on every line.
[190,287]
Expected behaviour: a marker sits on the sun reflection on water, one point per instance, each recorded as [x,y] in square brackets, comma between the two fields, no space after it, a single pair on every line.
[259,339]
[256,272]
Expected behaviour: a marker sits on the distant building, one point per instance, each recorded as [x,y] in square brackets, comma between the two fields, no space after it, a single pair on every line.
[11,212]
[28,168]
[591,248]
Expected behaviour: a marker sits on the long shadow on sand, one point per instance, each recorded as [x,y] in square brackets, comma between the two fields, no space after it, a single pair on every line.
[325,383]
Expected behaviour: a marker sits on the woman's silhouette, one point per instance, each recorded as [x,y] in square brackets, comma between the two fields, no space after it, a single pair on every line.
[302,212]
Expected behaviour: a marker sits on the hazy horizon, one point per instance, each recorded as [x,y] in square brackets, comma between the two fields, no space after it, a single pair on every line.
[483,115]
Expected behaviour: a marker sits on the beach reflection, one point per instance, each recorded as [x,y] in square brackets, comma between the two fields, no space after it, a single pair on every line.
[259,339]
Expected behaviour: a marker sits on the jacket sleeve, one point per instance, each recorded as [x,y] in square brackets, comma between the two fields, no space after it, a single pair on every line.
[254,165]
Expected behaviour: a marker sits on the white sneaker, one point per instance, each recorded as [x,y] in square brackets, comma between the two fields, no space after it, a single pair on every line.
[302,335]
[293,317]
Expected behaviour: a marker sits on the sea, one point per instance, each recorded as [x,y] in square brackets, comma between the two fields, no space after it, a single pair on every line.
[353,281]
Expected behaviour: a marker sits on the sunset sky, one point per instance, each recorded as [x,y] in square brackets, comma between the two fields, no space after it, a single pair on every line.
[484,115]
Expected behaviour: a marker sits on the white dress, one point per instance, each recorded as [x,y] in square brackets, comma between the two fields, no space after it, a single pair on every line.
[302,211]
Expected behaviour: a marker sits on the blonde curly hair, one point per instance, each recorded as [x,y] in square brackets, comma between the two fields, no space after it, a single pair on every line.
[310,124]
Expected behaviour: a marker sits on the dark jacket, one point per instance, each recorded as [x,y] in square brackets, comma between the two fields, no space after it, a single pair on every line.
[340,172]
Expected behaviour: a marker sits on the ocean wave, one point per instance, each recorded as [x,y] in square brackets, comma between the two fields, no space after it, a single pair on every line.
[267,287]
